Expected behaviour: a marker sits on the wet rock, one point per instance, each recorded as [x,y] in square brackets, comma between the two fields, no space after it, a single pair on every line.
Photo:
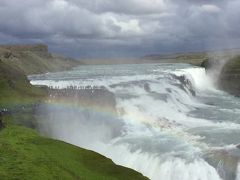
[226,72]
[229,79]
[147,87]
[185,84]
[97,97]
[238,146]
[225,161]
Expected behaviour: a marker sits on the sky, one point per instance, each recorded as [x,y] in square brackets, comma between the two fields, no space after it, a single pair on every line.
[121,28]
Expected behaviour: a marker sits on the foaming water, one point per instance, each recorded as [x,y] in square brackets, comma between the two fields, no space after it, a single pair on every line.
[170,120]
[198,77]
[238,172]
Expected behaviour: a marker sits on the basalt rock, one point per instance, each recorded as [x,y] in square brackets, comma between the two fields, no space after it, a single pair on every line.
[227,73]
[98,97]
[185,84]
[229,79]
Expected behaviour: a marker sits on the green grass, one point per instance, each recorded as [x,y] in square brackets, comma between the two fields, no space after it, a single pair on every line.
[26,155]
[15,88]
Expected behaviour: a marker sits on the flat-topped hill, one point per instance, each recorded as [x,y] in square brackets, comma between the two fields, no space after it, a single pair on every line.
[34,59]
[26,47]
[194,58]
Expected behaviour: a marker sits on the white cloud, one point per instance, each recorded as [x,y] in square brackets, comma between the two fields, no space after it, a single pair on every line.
[210,8]
[164,25]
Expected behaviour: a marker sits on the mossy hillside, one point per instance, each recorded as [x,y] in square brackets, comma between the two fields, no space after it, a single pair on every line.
[15,88]
[26,155]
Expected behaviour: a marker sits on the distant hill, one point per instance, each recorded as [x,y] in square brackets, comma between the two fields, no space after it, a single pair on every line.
[15,87]
[34,59]
[195,58]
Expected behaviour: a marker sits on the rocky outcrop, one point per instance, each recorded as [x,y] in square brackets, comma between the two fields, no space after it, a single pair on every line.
[39,49]
[229,79]
[34,59]
[90,97]
[226,73]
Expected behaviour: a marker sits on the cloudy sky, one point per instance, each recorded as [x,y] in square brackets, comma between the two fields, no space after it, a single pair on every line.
[106,28]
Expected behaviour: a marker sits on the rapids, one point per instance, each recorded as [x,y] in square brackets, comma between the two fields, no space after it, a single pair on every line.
[171,122]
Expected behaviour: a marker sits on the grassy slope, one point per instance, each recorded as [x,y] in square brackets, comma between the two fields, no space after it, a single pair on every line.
[26,155]
[15,88]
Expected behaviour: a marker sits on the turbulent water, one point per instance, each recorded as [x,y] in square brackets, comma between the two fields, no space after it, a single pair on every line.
[171,121]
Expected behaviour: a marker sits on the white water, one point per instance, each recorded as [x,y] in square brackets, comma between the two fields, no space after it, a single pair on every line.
[162,129]
[238,172]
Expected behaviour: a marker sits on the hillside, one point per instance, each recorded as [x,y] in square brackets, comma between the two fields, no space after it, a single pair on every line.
[34,59]
[15,87]
[26,155]
[194,58]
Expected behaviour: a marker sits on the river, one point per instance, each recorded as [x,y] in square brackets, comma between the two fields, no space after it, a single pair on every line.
[171,121]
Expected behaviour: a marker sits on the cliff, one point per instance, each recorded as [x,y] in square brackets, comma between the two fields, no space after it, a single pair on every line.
[34,59]
[226,73]
[229,79]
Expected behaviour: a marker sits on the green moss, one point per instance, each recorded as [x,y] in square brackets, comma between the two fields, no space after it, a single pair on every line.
[25,155]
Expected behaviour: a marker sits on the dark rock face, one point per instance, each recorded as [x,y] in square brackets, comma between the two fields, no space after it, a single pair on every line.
[229,79]
[227,74]
[98,97]
[238,146]
[225,162]
[185,84]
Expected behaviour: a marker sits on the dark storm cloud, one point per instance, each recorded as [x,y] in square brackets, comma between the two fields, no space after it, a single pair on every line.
[121,27]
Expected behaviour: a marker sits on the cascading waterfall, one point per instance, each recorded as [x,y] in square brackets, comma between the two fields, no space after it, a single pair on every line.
[170,121]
